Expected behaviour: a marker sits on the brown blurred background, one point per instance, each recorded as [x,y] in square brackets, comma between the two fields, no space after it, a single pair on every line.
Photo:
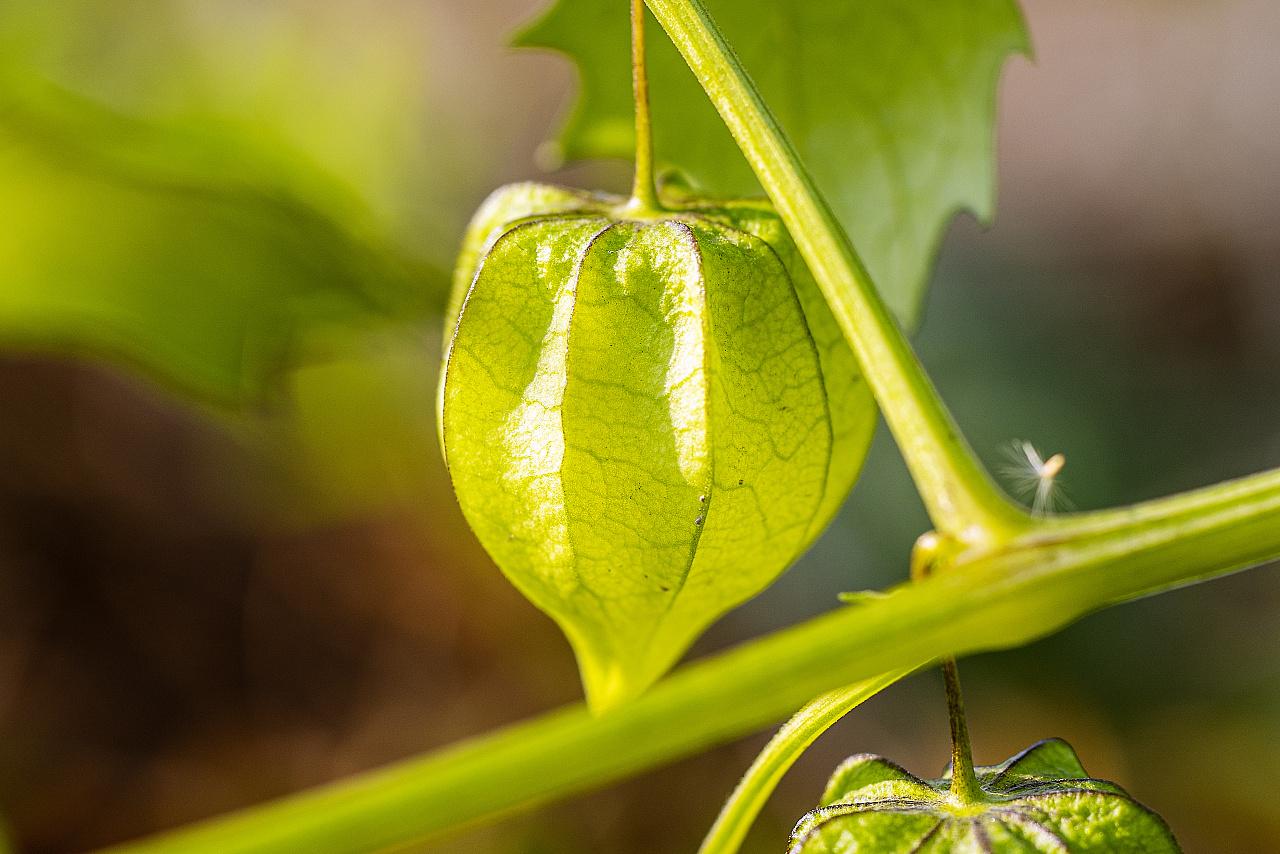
[201,610]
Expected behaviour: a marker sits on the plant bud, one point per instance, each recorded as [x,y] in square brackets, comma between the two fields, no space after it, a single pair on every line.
[646,418]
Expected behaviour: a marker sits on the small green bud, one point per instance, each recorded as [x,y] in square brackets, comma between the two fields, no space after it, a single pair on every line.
[646,416]
[1038,801]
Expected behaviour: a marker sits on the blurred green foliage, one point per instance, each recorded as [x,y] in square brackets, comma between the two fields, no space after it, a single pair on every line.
[207,249]
[190,255]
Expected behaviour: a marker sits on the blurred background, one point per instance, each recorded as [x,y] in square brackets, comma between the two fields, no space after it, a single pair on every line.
[212,599]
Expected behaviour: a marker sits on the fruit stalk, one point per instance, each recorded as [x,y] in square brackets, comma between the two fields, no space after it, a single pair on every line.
[928,554]
[964,783]
[644,192]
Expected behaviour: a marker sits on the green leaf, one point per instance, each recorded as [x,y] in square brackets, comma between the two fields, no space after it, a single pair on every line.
[1038,801]
[205,260]
[636,416]
[890,102]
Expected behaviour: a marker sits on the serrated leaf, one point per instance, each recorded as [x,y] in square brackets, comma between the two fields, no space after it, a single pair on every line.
[890,102]
[636,416]
[1038,801]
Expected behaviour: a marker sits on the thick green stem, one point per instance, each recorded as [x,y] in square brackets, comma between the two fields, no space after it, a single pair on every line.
[1003,599]
[1241,499]
[644,192]
[961,499]
[782,751]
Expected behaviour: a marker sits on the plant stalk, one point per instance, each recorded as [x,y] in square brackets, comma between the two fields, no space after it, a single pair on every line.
[928,556]
[964,783]
[961,499]
[1000,600]
[644,188]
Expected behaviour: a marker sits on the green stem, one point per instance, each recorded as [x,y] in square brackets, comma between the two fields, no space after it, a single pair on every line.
[1003,599]
[782,751]
[644,191]
[964,783]
[961,499]
[1217,505]
[928,556]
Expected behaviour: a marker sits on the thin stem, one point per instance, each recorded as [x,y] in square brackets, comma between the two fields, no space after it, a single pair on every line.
[964,783]
[959,495]
[782,751]
[927,556]
[644,191]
